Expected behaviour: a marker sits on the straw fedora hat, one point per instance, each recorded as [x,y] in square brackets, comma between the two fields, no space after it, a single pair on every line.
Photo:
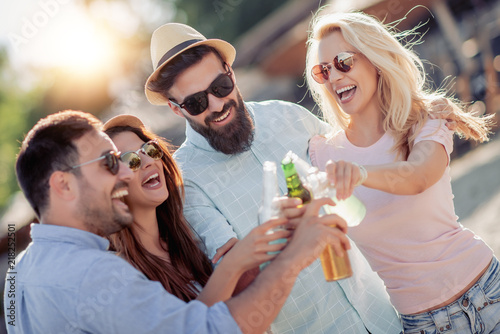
[171,39]
[124,120]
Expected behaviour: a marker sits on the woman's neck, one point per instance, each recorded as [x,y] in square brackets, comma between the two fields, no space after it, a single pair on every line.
[145,228]
[365,129]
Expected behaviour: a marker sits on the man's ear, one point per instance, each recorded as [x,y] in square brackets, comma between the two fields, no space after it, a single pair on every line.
[63,185]
[175,109]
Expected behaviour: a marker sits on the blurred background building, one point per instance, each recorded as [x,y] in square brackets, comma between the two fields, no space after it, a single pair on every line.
[93,55]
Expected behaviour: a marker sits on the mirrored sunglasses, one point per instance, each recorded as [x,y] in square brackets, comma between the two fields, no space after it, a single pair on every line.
[197,103]
[152,149]
[342,62]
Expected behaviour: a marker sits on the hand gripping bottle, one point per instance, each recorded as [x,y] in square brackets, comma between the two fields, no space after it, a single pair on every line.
[269,207]
[334,267]
[352,210]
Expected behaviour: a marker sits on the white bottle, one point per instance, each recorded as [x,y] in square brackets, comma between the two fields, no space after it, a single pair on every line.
[269,207]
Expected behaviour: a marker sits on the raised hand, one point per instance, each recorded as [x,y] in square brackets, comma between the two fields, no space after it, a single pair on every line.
[253,249]
[345,176]
[313,233]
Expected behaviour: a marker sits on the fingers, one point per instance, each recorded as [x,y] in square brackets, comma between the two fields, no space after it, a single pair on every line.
[288,203]
[441,108]
[444,109]
[451,125]
[313,207]
[330,170]
[344,176]
[276,246]
[276,235]
[338,241]
[270,224]
[313,235]
[294,212]
[333,221]
[224,249]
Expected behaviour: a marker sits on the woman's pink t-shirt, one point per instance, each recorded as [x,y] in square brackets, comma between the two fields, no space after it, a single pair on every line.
[414,242]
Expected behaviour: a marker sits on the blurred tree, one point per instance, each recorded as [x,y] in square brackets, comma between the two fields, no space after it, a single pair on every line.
[18,111]
[129,24]
[225,19]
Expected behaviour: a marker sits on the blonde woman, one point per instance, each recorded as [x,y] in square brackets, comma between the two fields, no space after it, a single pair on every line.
[439,275]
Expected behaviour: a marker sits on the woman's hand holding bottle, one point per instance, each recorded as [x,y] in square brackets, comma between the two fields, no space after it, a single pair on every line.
[345,176]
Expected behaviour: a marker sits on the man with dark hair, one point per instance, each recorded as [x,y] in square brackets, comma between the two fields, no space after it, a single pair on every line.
[227,142]
[48,162]
[67,282]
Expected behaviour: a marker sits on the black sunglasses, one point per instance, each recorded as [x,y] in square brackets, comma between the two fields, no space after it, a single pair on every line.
[111,160]
[197,103]
[342,62]
[133,160]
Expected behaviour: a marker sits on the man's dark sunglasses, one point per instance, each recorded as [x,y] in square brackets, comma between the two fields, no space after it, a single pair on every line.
[197,103]
[111,160]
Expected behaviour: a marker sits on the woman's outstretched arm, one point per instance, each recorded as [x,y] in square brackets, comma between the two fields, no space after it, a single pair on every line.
[424,167]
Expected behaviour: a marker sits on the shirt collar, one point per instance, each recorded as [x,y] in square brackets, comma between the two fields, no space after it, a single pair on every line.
[198,140]
[56,233]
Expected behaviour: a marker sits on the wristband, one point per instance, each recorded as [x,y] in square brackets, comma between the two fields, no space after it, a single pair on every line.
[363,174]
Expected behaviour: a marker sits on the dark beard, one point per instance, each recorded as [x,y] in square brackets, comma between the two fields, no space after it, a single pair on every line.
[97,219]
[234,138]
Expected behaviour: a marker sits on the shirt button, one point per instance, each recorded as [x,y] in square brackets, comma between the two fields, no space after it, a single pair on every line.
[465,302]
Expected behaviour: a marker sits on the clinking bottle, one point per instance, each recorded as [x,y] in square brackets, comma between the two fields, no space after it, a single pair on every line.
[269,207]
[294,184]
[353,211]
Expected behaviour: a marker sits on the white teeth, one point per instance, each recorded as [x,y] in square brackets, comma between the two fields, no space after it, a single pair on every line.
[119,193]
[153,176]
[346,88]
[223,117]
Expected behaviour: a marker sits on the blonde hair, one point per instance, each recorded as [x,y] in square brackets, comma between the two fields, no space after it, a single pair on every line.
[403,98]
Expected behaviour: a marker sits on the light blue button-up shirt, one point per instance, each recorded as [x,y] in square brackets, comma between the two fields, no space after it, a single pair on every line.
[66,282]
[223,195]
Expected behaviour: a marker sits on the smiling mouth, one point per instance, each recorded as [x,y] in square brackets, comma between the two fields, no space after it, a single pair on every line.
[153,179]
[345,92]
[119,194]
[223,117]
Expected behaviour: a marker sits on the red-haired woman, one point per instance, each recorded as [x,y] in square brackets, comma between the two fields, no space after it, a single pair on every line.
[160,242]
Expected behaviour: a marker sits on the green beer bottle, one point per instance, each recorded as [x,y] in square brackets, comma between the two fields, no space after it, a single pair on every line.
[295,187]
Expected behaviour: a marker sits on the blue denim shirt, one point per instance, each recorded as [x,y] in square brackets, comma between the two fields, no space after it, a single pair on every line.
[67,282]
[223,194]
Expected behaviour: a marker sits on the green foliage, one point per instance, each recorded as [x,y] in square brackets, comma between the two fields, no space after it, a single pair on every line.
[20,109]
[17,110]
[225,19]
